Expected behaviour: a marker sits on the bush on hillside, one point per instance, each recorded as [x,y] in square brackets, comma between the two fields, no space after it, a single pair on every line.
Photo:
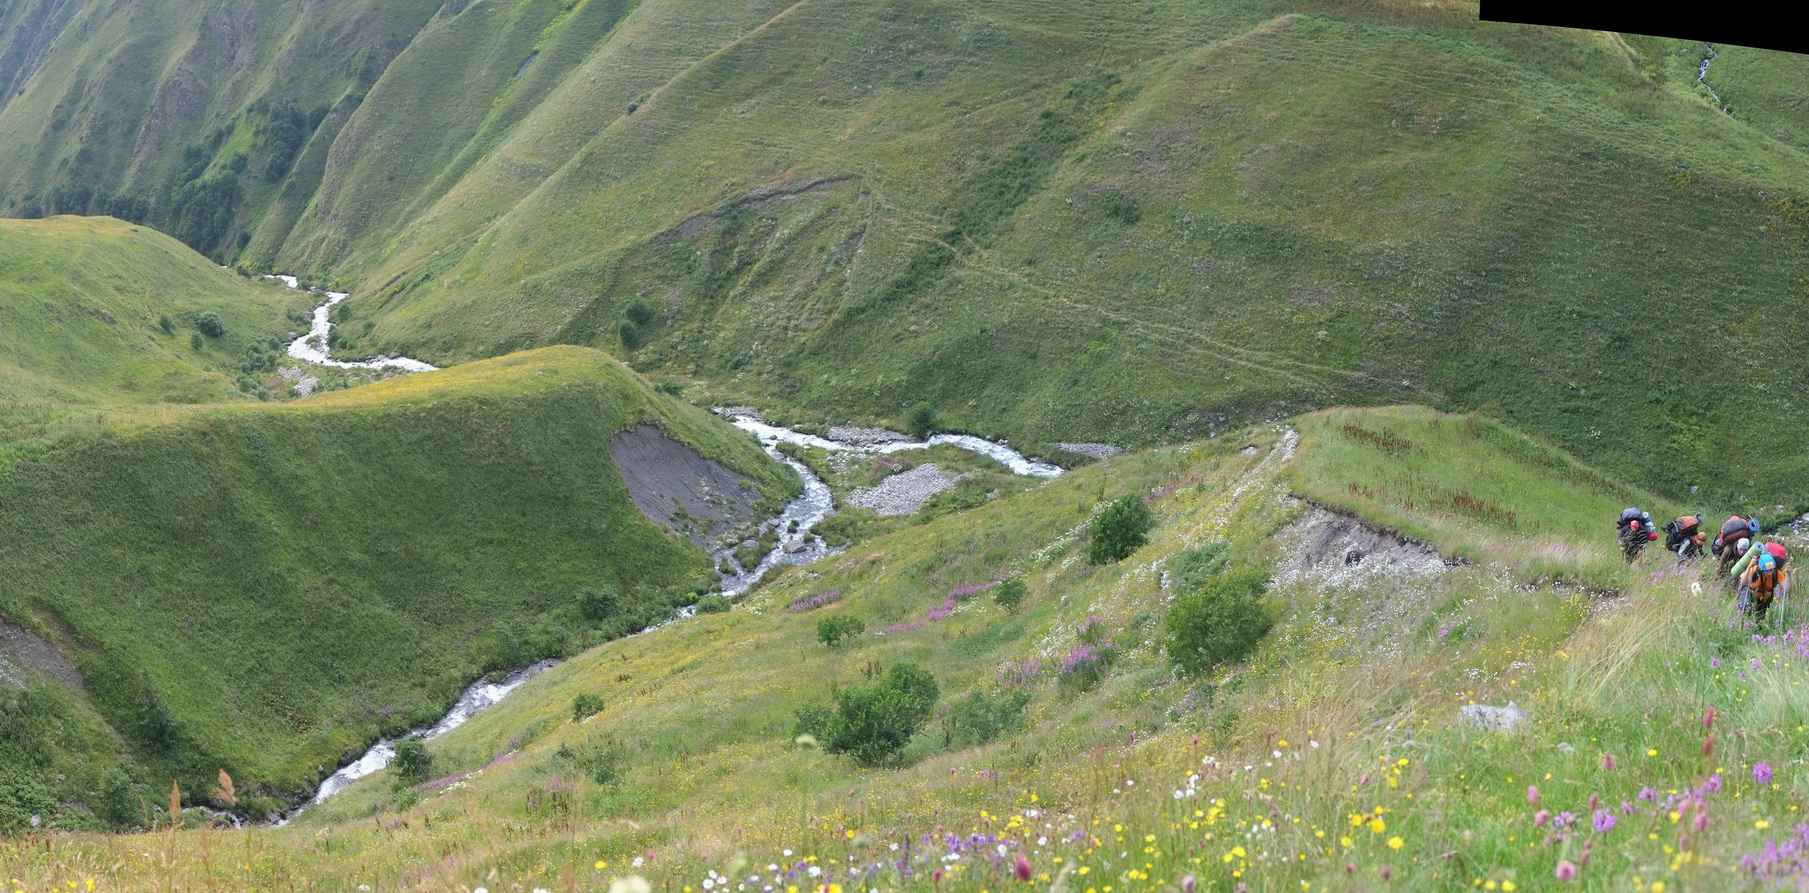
[119,802]
[872,723]
[630,334]
[162,731]
[713,604]
[979,718]
[639,313]
[1009,594]
[840,631]
[210,324]
[920,420]
[22,796]
[598,604]
[1218,623]
[586,706]
[1121,529]
[413,764]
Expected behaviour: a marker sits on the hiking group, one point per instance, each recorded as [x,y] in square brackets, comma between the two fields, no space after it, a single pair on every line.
[1759,567]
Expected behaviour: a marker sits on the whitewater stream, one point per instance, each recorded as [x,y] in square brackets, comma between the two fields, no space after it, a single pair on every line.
[799,546]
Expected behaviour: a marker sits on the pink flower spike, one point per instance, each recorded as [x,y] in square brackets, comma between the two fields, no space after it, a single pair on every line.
[1708,719]
[1188,883]
[1540,818]
[1532,793]
[1608,761]
[1023,869]
[1567,871]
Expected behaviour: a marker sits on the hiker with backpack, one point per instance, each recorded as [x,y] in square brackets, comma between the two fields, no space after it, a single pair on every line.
[1685,537]
[1736,537]
[1635,531]
[1761,583]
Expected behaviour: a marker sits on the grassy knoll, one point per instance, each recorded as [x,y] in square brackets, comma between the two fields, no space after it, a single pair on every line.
[1479,490]
[97,311]
[1334,759]
[267,587]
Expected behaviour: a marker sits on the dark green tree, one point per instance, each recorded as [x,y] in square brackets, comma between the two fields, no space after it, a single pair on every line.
[872,723]
[920,420]
[413,764]
[1121,529]
[1218,623]
[598,604]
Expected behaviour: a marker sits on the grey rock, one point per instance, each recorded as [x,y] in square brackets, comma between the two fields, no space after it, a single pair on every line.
[1498,719]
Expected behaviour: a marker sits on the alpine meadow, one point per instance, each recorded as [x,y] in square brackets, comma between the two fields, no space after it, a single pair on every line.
[807,446]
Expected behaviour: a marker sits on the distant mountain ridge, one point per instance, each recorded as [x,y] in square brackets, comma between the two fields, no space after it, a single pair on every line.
[1053,220]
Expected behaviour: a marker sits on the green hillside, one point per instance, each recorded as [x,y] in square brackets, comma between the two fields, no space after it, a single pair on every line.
[1075,220]
[93,310]
[266,588]
[1334,758]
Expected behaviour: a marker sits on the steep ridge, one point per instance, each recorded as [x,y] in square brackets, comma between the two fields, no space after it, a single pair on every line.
[268,588]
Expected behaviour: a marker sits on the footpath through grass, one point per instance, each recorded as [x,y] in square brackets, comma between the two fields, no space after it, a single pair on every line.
[1335,759]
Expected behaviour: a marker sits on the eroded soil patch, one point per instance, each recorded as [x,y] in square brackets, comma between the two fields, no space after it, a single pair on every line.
[674,485]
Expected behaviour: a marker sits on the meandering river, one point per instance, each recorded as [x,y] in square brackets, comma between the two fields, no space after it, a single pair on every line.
[796,546]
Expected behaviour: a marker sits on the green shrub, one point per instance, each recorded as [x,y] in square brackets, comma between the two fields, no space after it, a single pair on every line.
[630,334]
[813,721]
[1218,623]
[713,604]
[639,313]
[196,341]
[979,718]
[872,723]
[210,324]
[1009,594]
[413,764]
[119,801]
[597,605]
[1121,529]
[22,796]
[839,631]
[1193,568]
[672,387]
[920,420]
[162,730]
[585,706]
[166,324]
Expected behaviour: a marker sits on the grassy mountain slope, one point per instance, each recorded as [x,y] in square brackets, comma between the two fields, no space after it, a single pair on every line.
[1054,221]
[266,588]
[82,306]
[1335,758]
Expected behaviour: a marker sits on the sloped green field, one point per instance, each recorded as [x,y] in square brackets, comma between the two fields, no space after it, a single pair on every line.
[83,307]
[266,589]
[1334,757]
